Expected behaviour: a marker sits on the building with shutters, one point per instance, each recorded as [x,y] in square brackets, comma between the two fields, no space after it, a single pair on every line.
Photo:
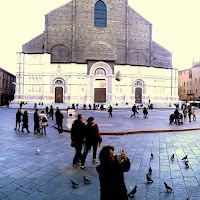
[7,87]
[96,51]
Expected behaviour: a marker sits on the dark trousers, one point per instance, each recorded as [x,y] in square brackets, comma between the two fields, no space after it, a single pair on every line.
[78,154]
[26,127]
[60,127]
[43,129]
[17,122]
[36,127]
[88,147]
[133,114]
[110,114]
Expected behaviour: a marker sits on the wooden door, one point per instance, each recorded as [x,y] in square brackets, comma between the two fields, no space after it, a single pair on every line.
[100,95]
[58,95]
[138,95]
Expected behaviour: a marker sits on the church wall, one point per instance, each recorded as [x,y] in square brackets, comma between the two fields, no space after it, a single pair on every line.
[139,39]
[38,76]
[35,45]
[160,56]
[100,43]
[58,27]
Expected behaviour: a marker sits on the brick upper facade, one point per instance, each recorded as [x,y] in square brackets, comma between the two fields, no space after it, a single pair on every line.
[71,37]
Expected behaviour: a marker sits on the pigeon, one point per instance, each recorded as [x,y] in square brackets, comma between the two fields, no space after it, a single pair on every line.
[117,78]
[148,178]
[74,184]
[150,170]
[38,151]
[172,157]
[186,164]
[132,192]
[86,180]
[167,187]
[151,156]
[184,158]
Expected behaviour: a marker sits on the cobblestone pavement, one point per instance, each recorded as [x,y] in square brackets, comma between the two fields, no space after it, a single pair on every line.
[47,175]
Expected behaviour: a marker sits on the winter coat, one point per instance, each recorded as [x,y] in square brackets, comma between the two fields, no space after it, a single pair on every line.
[36,117]
[25,120]
[92,134]
[18,116]
[111,177]
[41,123]
[78,131]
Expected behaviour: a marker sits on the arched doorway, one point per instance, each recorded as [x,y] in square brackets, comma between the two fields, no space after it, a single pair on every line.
[58,95]
[138,95]
[100,86]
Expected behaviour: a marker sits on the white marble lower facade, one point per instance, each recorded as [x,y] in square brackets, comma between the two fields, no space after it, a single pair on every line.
[38,80]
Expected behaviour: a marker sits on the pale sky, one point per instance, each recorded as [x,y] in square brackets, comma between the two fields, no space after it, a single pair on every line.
[175,26]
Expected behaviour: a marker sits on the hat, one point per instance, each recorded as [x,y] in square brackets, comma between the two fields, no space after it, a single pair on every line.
[90,119]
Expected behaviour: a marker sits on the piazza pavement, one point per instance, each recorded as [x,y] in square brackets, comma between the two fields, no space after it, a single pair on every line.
[24,174]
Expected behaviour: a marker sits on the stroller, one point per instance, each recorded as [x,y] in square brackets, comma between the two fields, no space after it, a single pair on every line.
[172,119]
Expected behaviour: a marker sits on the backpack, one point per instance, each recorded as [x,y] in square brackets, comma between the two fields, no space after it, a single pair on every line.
[44,119]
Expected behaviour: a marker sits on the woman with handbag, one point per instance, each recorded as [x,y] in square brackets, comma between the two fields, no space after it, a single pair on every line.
[43,122]
[93,138]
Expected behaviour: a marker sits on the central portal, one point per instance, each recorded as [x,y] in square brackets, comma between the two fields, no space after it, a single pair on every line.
[58,95]
[99,95]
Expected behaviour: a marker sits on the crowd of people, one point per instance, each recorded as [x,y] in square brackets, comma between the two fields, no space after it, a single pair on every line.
[40,120]
[86,137]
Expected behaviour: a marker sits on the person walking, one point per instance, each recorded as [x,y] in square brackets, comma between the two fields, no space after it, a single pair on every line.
[133,110]
[110,111]
[194,114]
[59,121]
[51,112]
[111,174]
[77,136]
[189,113]
[137,111]
[25,121]
[176,116]
[145,112]
[36,122]
[43,122]
[185,113]
[93,138]
[18,119]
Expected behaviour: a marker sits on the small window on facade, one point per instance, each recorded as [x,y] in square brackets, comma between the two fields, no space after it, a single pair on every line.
[184,84]
[59,82]
[138,83]
[184,91]
[196,90]
[99,71]
[100,15]
[195,80]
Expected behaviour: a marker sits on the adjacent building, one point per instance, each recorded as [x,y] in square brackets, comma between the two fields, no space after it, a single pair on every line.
[189,83]
[7,87]
[96,51]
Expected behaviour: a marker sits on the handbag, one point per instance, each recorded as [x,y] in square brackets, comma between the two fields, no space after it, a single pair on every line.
[72,144]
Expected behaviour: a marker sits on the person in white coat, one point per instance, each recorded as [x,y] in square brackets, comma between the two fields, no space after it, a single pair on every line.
[43,122]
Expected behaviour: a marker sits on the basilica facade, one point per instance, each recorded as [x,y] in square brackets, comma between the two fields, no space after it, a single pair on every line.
[96,51]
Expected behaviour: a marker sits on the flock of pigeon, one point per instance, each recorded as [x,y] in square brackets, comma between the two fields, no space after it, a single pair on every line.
[149,180]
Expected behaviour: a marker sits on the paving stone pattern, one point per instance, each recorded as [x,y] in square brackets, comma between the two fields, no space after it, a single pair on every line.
[47,175]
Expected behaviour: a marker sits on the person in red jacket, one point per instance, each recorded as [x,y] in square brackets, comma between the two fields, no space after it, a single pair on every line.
[93,138]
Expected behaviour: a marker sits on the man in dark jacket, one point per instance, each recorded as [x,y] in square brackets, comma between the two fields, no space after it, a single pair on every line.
[111,174]
[36,122]
[77,136]
[59,121]
[25,121]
